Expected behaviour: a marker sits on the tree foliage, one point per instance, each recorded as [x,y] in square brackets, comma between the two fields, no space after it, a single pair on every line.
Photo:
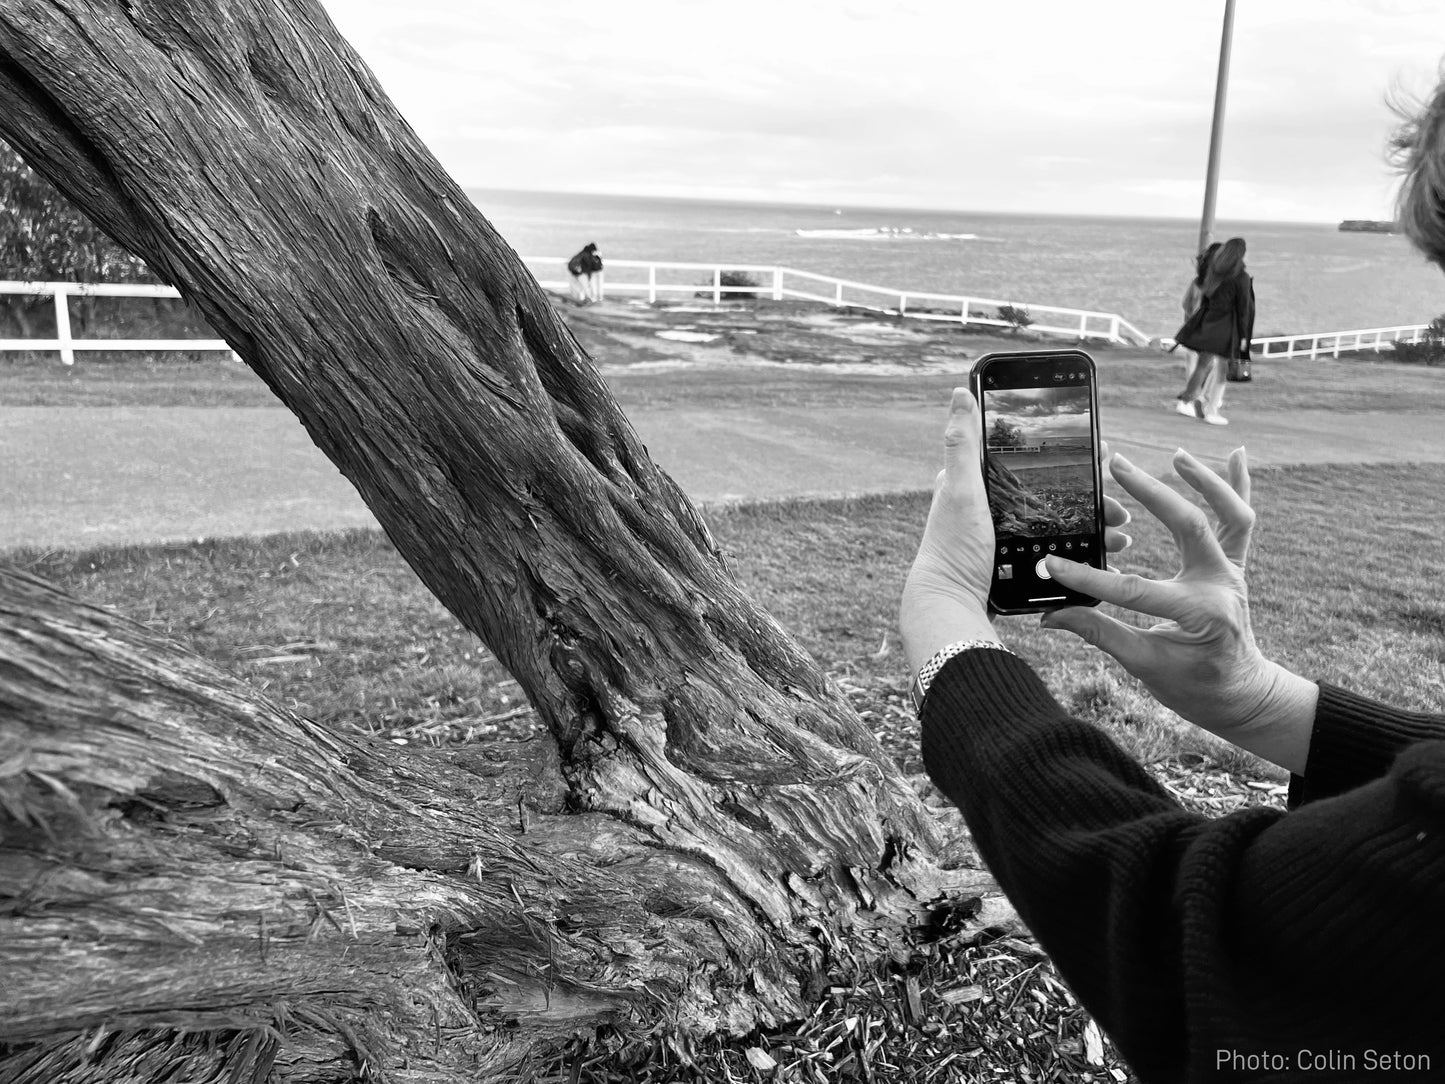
[44,238]
[1003,435]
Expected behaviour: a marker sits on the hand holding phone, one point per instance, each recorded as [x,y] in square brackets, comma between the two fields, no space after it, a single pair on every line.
[1041,472]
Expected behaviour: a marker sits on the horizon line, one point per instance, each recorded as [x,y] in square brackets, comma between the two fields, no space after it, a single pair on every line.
[838,205]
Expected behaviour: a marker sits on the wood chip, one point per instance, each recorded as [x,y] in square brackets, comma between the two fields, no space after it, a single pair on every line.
[760,1059]
[913,1000]
[960,995]
[1013,944]
[1093,1044]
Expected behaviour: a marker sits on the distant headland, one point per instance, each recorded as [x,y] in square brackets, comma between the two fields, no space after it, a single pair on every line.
[1366,225]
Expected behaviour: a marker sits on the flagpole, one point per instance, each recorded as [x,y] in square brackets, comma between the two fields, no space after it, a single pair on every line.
[1216,131]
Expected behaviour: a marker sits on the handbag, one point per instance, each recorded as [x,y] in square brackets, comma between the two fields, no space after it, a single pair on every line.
[1239,370]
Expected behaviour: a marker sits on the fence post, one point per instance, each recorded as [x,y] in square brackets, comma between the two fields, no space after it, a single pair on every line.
[62,324]
[717,285]
[963,316]
[902,305]
[777,284]
[652,283]
[1114,327]
[838,296]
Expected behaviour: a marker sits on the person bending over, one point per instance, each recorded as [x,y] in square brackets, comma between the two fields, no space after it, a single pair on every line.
[1269,945]
[585,267]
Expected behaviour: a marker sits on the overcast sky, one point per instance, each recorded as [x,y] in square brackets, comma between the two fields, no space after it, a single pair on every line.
[995,105]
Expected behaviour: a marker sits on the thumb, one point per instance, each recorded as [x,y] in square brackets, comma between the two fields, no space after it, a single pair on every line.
[961,436]
[1127,644]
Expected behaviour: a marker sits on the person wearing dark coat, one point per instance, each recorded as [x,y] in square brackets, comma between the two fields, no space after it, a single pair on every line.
[586,271]
[1220,328]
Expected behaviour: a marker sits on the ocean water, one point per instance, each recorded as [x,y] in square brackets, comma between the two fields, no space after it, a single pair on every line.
[1307,277]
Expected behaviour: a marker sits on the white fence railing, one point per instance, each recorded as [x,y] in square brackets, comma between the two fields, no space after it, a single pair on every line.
[654,280]
[62,292]
[1311,344]
[1314,343]
[657,280]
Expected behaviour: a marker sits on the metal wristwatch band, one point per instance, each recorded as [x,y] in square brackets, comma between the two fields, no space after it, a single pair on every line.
[931,668]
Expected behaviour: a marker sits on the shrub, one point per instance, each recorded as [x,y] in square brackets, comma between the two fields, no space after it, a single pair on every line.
[735,278]
[1015,315]
[1430,350]
[45,238]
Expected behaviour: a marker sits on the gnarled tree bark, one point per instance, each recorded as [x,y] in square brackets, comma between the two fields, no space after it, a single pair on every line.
[191,874]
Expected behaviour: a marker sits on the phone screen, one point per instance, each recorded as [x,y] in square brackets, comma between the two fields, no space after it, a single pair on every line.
[1041,471]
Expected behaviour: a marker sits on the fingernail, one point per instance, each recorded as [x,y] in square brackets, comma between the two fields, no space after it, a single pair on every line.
[1122,465]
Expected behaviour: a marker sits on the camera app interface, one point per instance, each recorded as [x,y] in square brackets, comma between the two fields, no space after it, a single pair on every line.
[1040,475]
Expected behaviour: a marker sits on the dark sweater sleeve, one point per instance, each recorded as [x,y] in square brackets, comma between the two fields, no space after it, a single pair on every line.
[1354,741]
[1260,932]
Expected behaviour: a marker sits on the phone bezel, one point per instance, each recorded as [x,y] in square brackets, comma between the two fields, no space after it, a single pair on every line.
[1098,557]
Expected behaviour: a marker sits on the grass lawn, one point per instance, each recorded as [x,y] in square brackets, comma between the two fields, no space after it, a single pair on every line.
[1345,587]
[1344,582]
[204,380]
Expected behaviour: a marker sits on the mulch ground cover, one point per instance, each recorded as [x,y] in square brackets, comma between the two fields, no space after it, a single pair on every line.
[954,1009]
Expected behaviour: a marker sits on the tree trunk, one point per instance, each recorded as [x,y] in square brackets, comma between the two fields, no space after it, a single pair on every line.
[192,873]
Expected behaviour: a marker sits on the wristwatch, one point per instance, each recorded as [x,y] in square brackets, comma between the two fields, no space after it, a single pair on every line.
[925,676]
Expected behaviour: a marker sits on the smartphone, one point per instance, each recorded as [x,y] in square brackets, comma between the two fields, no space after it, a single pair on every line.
[1041,471]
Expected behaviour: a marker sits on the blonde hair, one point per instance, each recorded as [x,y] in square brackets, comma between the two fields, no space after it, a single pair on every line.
[1417,149]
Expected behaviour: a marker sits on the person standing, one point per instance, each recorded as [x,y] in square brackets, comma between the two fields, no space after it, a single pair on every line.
[1220,328]
[586,271]
[1194,373]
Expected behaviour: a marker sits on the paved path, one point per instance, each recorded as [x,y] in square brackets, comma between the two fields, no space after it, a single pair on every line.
[75,476]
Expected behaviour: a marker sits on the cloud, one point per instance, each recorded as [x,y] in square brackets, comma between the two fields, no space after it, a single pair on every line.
[918,104]
[1038,402]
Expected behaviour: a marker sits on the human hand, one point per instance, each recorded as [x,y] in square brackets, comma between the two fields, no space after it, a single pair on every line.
[1201,659]
[945,598]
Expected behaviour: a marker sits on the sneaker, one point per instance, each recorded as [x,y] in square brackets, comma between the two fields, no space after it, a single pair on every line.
[1198,405]
[1216,419]
[1181,407]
